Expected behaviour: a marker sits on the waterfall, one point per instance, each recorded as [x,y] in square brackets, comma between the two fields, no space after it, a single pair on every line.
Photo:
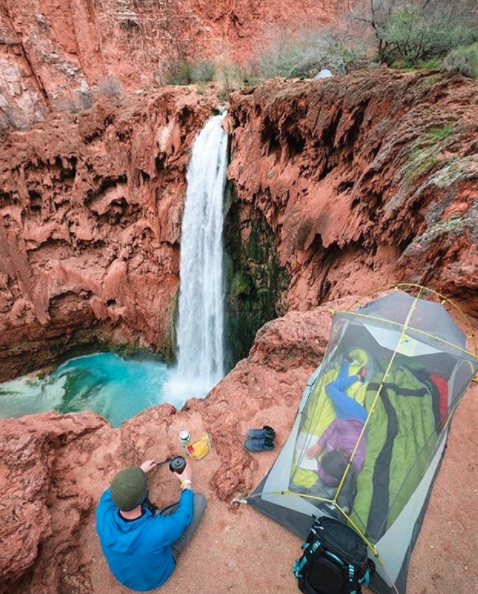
[200,329]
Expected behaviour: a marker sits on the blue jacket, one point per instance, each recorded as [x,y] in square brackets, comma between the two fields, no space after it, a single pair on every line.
[139,551]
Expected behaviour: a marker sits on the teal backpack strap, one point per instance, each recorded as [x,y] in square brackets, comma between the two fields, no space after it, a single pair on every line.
[306,557]
[299,566]
[366,578]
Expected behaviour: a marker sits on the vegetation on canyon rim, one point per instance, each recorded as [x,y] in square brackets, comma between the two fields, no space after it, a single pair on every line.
[431,34]
[411,34]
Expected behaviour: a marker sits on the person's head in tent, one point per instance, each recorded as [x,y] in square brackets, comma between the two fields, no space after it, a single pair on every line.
[332,467]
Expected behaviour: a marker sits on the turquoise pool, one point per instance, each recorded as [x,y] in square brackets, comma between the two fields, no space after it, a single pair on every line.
[115,388]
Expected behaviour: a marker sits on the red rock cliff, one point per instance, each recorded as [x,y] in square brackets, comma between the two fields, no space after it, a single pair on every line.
[90,217]
[52,52]
[362,180]
[365,180]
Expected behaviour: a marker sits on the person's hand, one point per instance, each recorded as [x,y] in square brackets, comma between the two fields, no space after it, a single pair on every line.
[185,475]
[313,451]
[148,465]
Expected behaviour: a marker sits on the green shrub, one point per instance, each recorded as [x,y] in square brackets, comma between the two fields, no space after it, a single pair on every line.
[417,32]
[186,73]
[203,71]
[412,34]
[432,64]
[302,54]
[232,77]
[229,75]
[441,133]
[179,73]
[430,81]
[464,60]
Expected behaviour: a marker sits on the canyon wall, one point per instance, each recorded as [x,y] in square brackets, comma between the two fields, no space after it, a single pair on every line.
[336,187]
[90,218]
[53,53]
[364,180]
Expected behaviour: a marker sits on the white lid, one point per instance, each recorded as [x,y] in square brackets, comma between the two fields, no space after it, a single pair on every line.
[184,435]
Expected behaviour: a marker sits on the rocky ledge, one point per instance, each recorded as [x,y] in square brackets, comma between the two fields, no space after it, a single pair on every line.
[54,468]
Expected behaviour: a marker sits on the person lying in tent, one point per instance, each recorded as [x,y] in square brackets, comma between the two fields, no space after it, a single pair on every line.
[142,544]
[343,437]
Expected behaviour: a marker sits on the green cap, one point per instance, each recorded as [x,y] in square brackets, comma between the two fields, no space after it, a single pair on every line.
[129,488]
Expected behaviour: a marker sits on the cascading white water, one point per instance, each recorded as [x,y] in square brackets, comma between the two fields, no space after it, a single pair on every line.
[200,329]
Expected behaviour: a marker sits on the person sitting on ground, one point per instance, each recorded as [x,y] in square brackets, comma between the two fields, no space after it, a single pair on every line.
[142,545]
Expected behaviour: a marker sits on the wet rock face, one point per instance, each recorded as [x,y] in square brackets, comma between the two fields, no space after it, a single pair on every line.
[90,216]
[255,281]
[367,179]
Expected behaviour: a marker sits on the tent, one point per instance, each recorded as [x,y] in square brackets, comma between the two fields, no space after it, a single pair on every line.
[371,427]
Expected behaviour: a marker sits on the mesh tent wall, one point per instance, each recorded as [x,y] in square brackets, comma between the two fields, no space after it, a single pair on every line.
[383,396]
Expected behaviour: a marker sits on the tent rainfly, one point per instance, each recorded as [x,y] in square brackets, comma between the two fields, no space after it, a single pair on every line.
[371,428]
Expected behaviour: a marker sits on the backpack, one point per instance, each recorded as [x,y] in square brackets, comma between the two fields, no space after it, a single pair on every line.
[334,560]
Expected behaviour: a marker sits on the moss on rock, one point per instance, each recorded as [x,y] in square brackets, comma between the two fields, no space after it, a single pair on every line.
[255,280]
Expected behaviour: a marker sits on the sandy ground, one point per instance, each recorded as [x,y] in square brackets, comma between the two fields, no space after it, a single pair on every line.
[240,551]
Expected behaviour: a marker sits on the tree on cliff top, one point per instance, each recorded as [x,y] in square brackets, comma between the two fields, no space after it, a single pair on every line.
[416,31]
